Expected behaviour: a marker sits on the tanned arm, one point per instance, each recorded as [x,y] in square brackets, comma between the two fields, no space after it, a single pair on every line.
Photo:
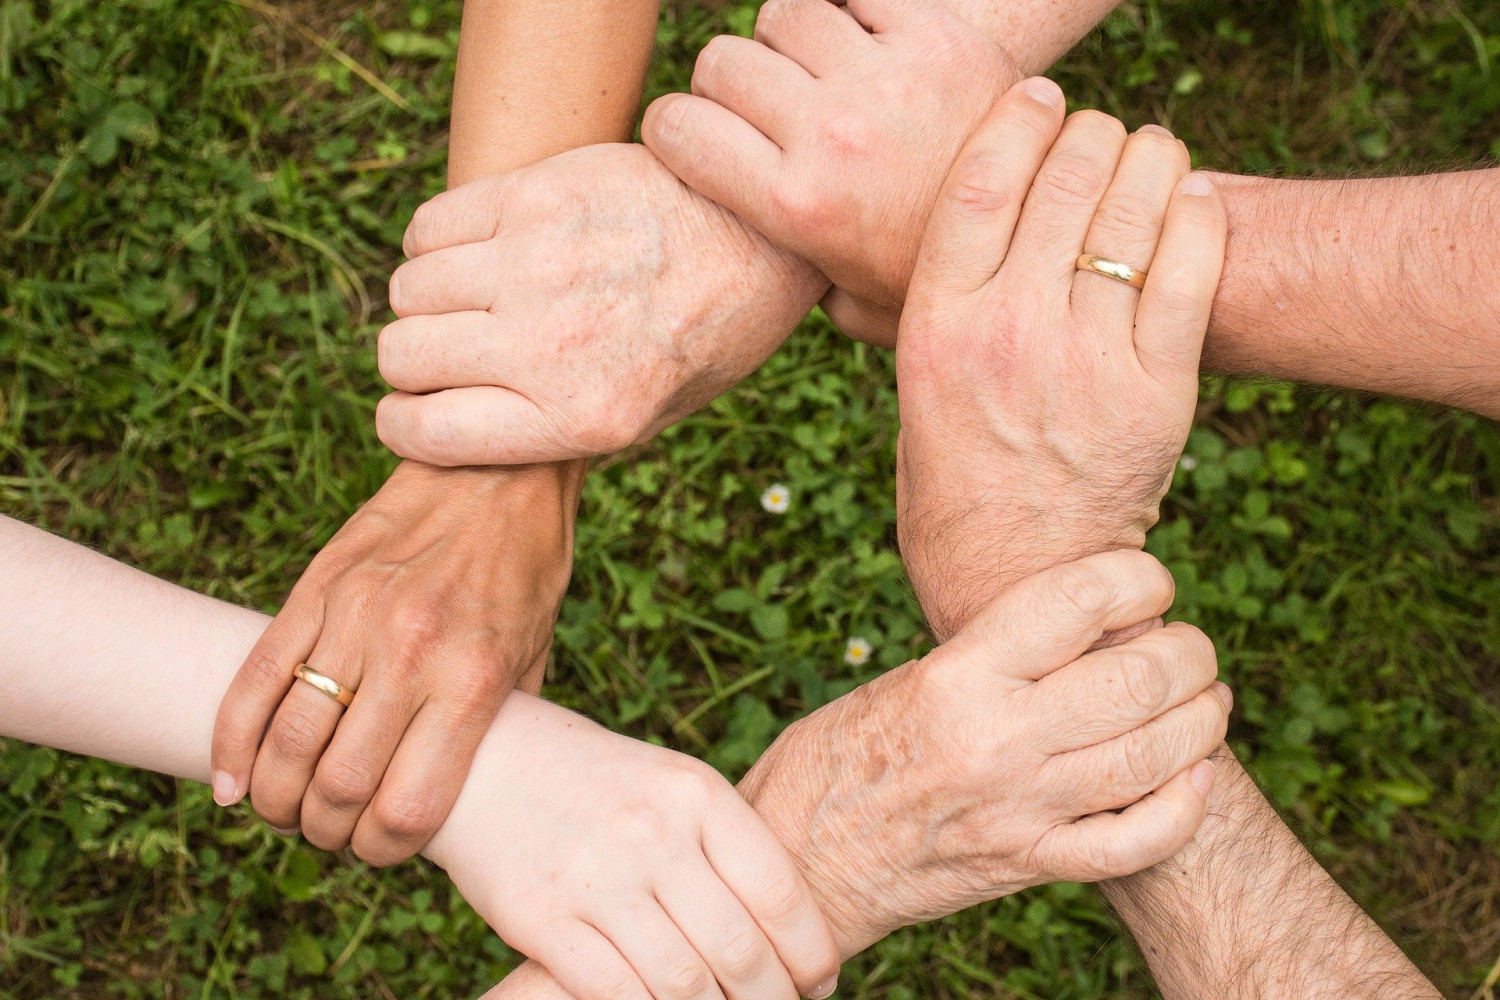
[449,552]
[1378,285]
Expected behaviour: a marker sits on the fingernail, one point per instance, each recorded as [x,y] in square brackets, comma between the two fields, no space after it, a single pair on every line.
[1196,184]
[1044,90]
[1156,128]
[226,789]
[823,989]
[1225,695]
[290,831]
[1202,777]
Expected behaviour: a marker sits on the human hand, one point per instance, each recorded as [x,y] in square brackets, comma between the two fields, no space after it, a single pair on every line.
[629,871]
[432,603]
[1043,408]
[574,308]
[832,132]
[997,761]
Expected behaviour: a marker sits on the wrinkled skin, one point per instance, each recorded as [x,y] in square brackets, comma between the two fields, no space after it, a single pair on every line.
[995,762]
[832,135]
[1072,393]
[574,308]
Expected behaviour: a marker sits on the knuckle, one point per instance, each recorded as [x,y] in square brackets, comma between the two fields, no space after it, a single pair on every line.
[393,354]
[430,431]
[850,135]
[799,206]
[1144,679]
[1177,302]
[773,13]
[1197,650]
[416,625]
[1094,120]
[418,238]
[1140,761]
[1083,591]
[686,979]
[978,184]
[779,896]
[710,58]
[296,735]
[745,955]
[345,784]
[614,983]
[1100,859]
[1073,178]
[1128,213]
[641,823]
[265,671]
[408,818]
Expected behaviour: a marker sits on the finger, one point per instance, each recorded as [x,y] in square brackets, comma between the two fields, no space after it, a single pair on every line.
[819,36]
[1112,845]
[755,867]
[468,214]
[452,279]
[256,691]
[714,921]
[654,945]
[584,962]
[300,731]
[1050,619]
[1173,313]
[1109,692]
[429,353]
[423,779]
[969,231]
[1124,769]
[716,153]
[1062,201]
[764,87]
[861,320]
[477,425]
[349,771]
[1128,224]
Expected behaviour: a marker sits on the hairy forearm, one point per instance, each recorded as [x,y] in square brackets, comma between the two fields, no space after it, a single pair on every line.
[1245,913]
[1379,285]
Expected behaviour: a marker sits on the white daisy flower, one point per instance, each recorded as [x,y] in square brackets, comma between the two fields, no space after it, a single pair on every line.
[857,651]
[776,499]
[1188,463]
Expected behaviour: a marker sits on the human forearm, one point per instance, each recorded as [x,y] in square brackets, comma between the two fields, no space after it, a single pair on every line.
[539,77]
[1245,913]
[1378,285]
[1036,33]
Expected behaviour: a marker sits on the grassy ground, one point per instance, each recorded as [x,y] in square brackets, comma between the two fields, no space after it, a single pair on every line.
[199,200]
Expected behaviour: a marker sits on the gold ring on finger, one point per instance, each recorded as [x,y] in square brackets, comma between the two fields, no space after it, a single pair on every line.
[1112,269]
[324,683]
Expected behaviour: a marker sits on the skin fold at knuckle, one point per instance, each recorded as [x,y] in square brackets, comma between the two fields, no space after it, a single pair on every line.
[745,955]
[1142,673]
[403,818]
[1128,217]
[685,978]
[345,782]
[296,734]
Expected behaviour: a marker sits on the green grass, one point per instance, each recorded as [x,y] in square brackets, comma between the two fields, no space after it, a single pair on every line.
[198,207]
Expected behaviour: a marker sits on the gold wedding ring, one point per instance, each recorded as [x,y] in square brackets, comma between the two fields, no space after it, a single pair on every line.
[1112,269]
[324,683]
